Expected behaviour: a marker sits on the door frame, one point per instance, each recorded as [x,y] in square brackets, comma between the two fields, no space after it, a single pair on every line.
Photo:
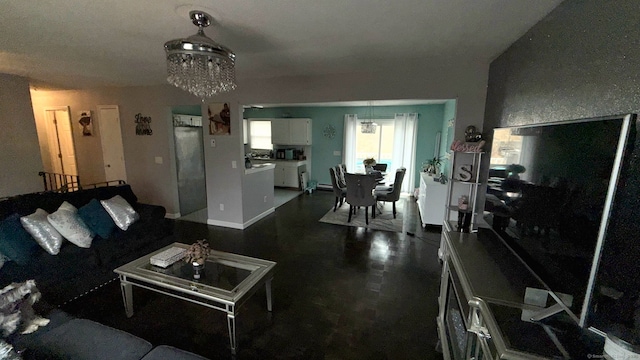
[101,126]
[53,155]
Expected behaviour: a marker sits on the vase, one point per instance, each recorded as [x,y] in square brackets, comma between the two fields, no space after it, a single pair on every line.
[197,270]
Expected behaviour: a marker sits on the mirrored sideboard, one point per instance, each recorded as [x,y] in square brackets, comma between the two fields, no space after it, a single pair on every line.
[483,313]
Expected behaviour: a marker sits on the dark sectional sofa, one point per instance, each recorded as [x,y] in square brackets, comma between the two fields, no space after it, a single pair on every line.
[74,271]
[67,337]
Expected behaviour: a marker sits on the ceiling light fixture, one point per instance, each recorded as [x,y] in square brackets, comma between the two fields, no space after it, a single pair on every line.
[198,64]
[368,126]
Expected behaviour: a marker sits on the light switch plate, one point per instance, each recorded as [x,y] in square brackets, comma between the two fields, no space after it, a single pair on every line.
[337,153]
[159,160]
[234,164]
[213,142]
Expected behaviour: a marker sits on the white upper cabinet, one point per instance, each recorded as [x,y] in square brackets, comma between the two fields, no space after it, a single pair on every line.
[291,131]
[280,133]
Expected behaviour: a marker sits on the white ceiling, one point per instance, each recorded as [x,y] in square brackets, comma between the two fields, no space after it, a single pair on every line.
[79,43]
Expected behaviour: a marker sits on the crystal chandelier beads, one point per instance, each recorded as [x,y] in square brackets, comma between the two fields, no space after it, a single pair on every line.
[198,64]
[368,127]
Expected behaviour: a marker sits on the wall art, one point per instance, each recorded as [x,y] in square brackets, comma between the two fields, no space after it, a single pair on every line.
[143,125]
[86,122]
[219,119]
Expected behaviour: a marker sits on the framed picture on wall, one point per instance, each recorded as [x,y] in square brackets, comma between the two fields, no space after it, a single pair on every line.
[219,119]
[86,123]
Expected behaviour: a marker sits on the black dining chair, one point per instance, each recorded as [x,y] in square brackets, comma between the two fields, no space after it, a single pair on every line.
[338,191]
[360,193]
[340,170]
[391,193]
[380,167]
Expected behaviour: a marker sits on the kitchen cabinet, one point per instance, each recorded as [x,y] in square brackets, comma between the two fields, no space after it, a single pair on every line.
[287,172]
[286,175]
[280,133]
[431,200]
[291,131]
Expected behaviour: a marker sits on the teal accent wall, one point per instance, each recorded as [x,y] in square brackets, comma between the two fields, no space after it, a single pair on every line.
[195,110]
[430,120]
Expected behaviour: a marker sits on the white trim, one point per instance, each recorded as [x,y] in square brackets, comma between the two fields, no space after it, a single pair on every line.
[172,215]
[239,225]
[225,224]
[259,217]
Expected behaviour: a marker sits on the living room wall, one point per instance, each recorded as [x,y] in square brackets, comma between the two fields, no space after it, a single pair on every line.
[462,79]
[581,61]
[16,117]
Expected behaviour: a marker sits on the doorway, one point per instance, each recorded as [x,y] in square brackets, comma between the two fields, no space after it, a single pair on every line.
[111,139]
[60,142]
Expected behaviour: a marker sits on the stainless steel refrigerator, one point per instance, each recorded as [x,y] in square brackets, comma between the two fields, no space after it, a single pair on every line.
[190,166]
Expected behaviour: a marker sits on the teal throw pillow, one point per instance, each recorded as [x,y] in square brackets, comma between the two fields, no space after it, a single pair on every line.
[15,242]
[97,219]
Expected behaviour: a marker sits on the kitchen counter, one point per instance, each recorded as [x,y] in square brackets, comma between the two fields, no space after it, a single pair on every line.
[259,168]
[279,161]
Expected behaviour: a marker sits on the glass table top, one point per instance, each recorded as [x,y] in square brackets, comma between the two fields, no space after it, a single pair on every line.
[224,276]
[214,273]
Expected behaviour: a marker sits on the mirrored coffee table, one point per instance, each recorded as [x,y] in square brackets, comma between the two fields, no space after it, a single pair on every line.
[226,282]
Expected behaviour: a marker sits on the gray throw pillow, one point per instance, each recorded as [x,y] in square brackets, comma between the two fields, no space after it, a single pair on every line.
[7,352]
[120,211]
[16,308]
[69,224]
[42,231]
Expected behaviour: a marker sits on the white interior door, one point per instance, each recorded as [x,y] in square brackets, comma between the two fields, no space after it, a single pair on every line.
[111,138]
[60,141]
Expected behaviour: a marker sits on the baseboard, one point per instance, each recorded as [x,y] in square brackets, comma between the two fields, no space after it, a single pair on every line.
[240,226]
[259,217]
[172,215]
[225,224]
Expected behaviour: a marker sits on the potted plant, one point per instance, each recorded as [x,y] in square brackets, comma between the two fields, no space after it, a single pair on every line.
[432,166]
[369,162]
[196,255]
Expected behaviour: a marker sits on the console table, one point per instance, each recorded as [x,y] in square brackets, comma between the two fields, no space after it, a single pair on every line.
[483,314]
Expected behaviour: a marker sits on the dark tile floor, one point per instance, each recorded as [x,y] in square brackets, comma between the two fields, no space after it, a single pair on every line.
[339,292]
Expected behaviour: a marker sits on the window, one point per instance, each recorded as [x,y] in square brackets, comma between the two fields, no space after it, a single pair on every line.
[378,145]
[260,134]
[393,144]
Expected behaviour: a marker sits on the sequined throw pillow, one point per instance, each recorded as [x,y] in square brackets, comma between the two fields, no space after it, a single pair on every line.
[69,224]
[120,211]
[42,231]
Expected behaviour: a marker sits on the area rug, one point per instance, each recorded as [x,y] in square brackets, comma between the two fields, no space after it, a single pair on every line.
[384,217]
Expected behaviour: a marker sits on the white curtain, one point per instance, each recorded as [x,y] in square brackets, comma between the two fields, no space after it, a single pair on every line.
[404,148]
[349,149]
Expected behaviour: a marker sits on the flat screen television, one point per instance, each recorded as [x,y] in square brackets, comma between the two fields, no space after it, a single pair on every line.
[551,188]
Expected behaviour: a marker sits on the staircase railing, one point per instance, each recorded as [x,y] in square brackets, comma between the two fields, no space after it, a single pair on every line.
[60,182]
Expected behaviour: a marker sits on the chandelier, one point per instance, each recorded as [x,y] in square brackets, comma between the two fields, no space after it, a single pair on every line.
[368,126]
[198,64]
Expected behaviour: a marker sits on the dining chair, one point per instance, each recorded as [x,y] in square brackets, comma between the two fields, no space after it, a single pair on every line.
[340,170]
[360,193]
[338,191]
[380,167]
[391,193]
